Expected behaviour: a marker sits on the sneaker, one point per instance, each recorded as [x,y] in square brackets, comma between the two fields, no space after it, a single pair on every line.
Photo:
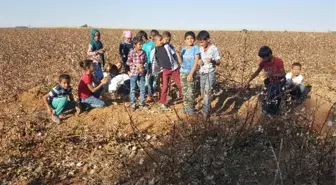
[78,110]
[133,106]
[164,107]
[55,119]
[149,99]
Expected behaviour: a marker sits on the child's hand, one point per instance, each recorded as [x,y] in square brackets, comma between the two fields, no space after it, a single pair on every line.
[50,111]
[104,81]
[101,51]
[268,74]
[190,78]
[200,62]
[209,60]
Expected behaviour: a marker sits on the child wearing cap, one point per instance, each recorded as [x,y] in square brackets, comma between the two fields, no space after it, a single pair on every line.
[124,48]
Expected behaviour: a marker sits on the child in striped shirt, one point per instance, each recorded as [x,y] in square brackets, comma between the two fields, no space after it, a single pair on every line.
[57,100]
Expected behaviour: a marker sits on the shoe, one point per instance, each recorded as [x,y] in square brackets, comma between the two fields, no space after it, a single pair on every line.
[133,106]
[149,99]
[78,110]
[55,119]
[163,107]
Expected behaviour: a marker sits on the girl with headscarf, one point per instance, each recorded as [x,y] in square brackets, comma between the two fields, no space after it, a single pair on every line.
[125,47]
[96,54]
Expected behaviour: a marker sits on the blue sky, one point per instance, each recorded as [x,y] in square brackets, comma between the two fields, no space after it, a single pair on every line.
[293,15]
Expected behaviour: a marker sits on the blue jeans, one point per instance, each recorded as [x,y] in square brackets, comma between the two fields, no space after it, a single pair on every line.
[151,84]
[207,83]
[93,102]
[134,79]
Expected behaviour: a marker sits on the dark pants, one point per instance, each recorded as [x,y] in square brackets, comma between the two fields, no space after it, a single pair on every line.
[274,92]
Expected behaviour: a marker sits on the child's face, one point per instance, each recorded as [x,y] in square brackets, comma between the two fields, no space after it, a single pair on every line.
[204,43]
[65,83]
[119,65]
[108,68]
[97,36]
[189,40]
[158,41]
[128,39]
[268,59]
[296,70]
[165,40]
[91,69]
[138,46]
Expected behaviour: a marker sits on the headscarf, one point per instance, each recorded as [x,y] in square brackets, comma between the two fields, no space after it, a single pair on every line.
[96,45]
[127,34]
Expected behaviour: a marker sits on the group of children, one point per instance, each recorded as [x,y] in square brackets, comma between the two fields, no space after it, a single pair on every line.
[143,60]
[276,78]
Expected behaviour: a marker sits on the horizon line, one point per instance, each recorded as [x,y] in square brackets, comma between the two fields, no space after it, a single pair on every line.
[171,29]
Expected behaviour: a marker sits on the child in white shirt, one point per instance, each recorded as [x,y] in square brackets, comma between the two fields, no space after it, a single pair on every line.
[295,81]
[116,80]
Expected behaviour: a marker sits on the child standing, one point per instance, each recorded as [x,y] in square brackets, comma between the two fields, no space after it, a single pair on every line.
[209,59]
[190,57]
[57,101]
[88,94]
[125,47]
[165,58]
[294,80]
[137,60]
[148,46]
[166,38]
[274,72]
[96,53]
[154,78]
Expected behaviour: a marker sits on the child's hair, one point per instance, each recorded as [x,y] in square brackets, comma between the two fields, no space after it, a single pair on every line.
[203,35]
[114,70]
[296,64]
[108,65]
[64,77]
[136,40]
[189,33]
[154,32]
[264,52]
[158,35]
[85,64]
[166,34]
[142,35]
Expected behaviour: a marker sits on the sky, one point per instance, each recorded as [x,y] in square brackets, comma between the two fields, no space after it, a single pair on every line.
[291,15]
